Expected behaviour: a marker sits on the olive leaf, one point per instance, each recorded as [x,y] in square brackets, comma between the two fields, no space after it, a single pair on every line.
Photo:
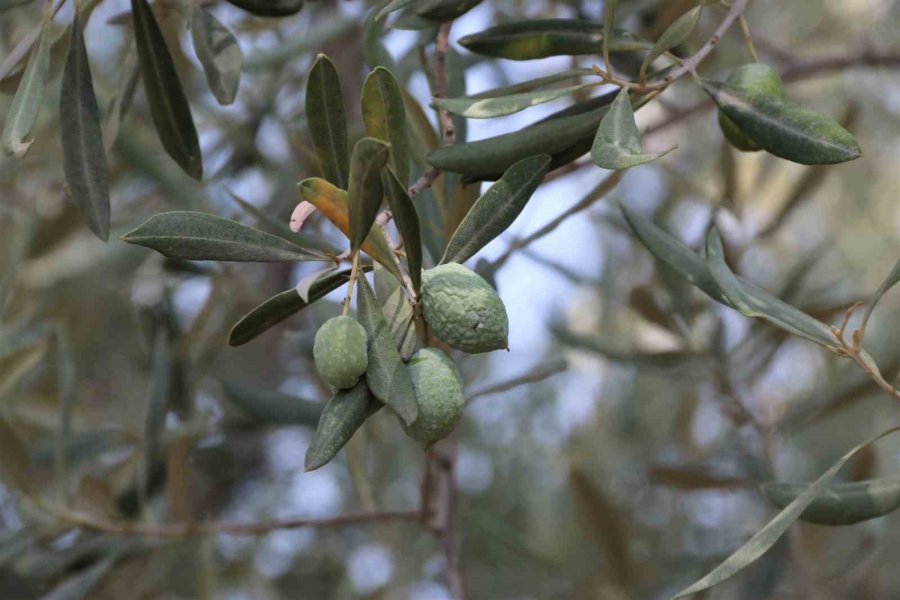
[766,537]
[120,102]
[407,220]
[527,40]
[198,236]
[281,306]
[444,10]
[332,203]
[784,128]
[486,108]
[671,252]
[565,136]
[327,121]
[26,104]
[273,407]
[219,54]
[387,375]
[169,108]
[269,8]
[304,286]
[840,504]
[497,208]
[617,144]
[384,117]
[753,301]
[675,34]
[342,416]
[366,191]
[84,155]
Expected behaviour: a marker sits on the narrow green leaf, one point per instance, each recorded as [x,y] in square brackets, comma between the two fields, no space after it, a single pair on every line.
[384,117]
[219,54]
[387,375]
[366,190]
[120,102]
[496,210]
[269,8]
[84,155]
[272,407]
[168,106]
[198,236]
[617,144]
[840,504]
[407,220]
[304,286]
[766,537]
[753,301]
[15,463]
[399,315]
[327,121]
[444,10]
[342,416]
[527,40]
[374,50]
[675,34]
[671,252]
[488,108]
[280,307]
[565,136]
[26,104]
[784,128]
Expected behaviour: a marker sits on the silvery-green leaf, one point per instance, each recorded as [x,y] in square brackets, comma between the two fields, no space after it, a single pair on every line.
[487,108]
[674,35]
[198,236]
[281,306]
[342,416]
[384,117]
[168,106]
[753,301]
[497,208]
[304,286]
[366,191]
[617,144]
[327,121]
[84,155]
[840,504]
[766,537]
[26,104]
[407,220]
[387,375]
[784,128]
[219,53]
[392,6]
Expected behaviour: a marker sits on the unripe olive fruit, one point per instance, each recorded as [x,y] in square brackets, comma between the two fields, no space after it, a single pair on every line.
[754,78]
[439,395]
[340,351]
[463,310]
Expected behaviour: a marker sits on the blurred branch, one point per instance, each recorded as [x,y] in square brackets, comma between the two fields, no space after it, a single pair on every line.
[535,375]
[205,528]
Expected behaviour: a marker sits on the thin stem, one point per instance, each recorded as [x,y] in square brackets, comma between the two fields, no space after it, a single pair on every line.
[442,44]
[748,38]
[354,272]
[535,375]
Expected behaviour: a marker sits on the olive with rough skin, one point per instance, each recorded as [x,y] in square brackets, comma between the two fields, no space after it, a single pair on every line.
[755,78]
[439,395]
[463,310]
[340,351]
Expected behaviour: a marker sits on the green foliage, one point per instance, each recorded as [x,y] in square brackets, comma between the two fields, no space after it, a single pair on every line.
[343,415]
[617,144]
[840,504]
[219,52]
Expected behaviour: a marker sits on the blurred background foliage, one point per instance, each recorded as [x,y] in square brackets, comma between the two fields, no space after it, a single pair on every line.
[627,476]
